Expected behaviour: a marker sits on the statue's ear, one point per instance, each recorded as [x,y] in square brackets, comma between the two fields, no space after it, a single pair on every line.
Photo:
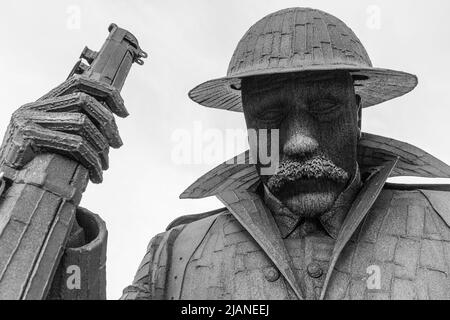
[359,108]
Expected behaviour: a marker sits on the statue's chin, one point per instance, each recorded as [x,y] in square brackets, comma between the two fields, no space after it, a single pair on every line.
[310,205]
[310,198]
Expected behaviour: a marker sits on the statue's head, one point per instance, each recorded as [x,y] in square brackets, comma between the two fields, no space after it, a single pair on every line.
[304,73]
[316,120]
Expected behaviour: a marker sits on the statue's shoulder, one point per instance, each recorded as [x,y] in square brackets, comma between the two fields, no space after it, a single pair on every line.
[200,218]
[194,224]
[434,195]
[413,201]
[405,234]
[444,188]
[181,238]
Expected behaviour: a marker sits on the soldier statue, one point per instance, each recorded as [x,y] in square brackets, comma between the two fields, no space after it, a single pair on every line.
[325,224]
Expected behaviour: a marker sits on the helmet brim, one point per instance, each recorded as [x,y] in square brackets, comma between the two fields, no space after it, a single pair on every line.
[374,85]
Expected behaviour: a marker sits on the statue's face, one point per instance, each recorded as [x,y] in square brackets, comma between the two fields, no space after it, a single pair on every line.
[317,118]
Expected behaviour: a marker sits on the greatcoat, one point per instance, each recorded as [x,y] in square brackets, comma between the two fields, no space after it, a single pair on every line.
[392,243]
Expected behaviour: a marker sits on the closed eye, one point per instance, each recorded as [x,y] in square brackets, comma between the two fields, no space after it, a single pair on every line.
[270,115]
[324,107]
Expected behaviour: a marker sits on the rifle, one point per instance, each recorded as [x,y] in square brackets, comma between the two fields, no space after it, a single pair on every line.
[37,208]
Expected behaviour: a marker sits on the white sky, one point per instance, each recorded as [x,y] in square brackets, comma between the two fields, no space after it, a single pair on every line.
[190,42]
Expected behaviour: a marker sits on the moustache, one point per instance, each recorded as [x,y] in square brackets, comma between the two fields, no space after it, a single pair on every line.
[317,167]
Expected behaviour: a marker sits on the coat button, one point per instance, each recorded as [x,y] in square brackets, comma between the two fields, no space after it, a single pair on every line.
[271,274]
[314,270]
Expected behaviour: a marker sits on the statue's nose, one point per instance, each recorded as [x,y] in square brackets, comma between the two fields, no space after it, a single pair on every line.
[299,145]
[298,135]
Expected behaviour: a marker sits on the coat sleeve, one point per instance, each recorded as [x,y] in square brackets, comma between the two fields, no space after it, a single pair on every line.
[141,289]
[150,280]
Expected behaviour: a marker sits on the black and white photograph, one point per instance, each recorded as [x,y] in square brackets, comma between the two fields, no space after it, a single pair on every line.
[225,154]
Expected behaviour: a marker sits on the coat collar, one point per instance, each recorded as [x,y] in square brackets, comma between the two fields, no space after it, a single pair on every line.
[251,212]
[373,152]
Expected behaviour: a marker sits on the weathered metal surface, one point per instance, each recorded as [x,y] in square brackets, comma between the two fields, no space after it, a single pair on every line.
[403,236]
[38,209]
[85,264]
[301,40]
[399,236]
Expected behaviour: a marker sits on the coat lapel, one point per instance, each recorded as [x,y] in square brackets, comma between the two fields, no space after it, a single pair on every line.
[248,208]
[360,207]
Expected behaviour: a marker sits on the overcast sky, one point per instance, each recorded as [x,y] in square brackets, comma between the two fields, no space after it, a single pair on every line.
[190,42]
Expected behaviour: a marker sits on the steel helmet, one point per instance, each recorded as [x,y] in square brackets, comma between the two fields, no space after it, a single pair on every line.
[302,40]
